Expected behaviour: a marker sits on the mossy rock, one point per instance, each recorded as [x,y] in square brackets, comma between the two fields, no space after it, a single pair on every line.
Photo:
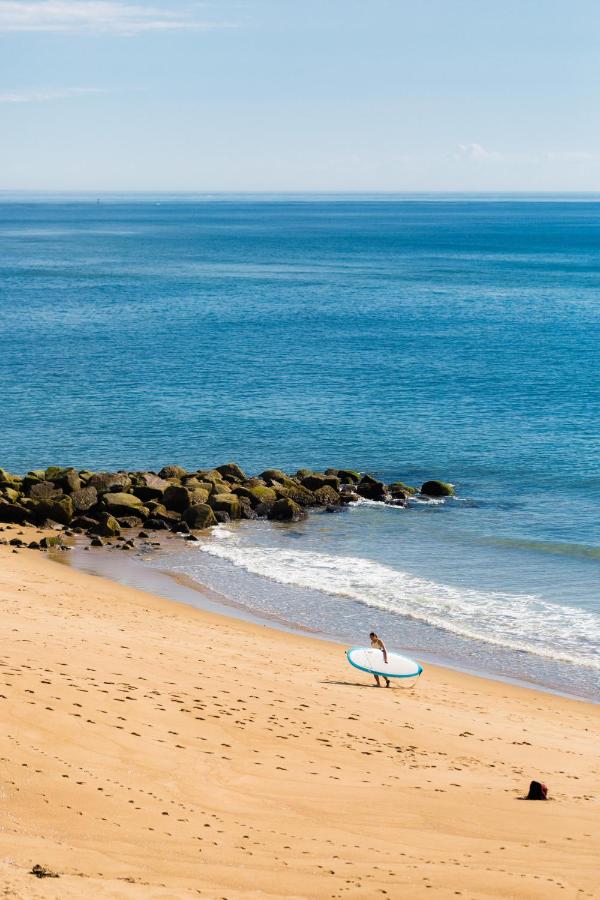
[299,494]
[371,489]
[233,471]
[44,490]
[200,516]
[169,472]
[229,503]
[51,540]
[106,526]
[270,475]
[160,511]
[110,482]
[130,522]
[285,510]
[121,504]
[11,494]
[85,498]
[198,496]
[53,472]
[398,487]
[327,496]
[68,480]
[318,480]
[59,509]
[259,493]
[348,476]
[29,480]
[437,489]
[150,486]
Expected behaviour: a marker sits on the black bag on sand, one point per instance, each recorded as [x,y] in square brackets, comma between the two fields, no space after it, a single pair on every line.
[537,791]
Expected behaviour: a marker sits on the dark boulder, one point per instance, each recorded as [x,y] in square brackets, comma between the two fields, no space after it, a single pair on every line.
[84,499]
[200,516]
[59,509]
[371,488]
[271,475]
[222,517]
[317,480]
[150,487]
[48,541]
[172,472]
[84,522]
[246,509]
[106,526]
[399,489]
[437,489]
[286,510]
[229,503]
[180,528]
[299,494]
[130,522]
[44,490]
[114,482]
[232,471]
[121,504]
[68,480]
[348,476]
[258,493]
[153,524]
[176,497]
[327,496]
[159,511]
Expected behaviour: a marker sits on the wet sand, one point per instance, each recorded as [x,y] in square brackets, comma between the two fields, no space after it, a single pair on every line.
[153,750]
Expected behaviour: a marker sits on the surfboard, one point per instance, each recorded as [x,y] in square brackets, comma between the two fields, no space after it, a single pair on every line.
[370,659]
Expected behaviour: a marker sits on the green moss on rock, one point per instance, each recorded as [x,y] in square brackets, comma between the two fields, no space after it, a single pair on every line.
[437,489]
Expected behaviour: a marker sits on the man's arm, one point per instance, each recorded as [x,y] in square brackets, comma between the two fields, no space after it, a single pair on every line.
[384,651]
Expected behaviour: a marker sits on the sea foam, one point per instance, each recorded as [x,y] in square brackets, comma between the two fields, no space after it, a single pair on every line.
[521,622]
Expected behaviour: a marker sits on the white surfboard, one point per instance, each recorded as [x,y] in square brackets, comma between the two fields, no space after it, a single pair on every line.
[370,659]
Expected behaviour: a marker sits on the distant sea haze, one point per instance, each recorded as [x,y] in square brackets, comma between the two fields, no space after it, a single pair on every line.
[452,338]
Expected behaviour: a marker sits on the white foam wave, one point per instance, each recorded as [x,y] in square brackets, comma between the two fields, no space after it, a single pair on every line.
[522,622]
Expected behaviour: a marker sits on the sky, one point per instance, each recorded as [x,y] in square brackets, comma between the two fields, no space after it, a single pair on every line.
[300,95]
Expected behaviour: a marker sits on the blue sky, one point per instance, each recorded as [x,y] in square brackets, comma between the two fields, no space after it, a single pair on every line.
[341,95]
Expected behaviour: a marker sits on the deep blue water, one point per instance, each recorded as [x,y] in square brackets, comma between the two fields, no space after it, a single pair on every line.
[409,337]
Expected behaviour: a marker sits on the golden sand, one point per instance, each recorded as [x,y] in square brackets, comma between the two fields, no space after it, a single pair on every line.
[143,754]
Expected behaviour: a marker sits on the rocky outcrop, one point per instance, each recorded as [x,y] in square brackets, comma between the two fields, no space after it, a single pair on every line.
[102,503]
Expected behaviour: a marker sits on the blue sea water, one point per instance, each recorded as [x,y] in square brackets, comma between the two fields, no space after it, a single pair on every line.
[412,337]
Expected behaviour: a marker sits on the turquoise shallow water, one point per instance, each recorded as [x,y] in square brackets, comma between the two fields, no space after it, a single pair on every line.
[409,337]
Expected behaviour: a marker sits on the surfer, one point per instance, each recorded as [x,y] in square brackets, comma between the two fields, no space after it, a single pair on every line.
[378,644]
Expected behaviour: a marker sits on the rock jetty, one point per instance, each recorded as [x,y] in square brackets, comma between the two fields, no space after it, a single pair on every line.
[103,504]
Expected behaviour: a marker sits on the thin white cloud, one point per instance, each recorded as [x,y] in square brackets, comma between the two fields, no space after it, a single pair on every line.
[42,95]
[574,156]
[474,153]
[97,16]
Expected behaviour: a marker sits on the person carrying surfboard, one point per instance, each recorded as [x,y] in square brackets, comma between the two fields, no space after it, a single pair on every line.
[378,644]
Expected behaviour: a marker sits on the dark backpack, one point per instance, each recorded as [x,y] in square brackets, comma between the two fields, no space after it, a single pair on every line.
[537,791]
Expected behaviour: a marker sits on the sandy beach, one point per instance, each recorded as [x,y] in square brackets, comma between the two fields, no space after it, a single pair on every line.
[244,762]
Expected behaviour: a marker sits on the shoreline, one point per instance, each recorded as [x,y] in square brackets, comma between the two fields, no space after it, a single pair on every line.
[182,588]
[152,749]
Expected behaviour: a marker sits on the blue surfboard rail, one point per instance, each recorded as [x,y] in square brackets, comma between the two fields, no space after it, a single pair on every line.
[382,674]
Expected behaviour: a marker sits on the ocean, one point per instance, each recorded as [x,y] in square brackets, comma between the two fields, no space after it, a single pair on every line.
[412,337]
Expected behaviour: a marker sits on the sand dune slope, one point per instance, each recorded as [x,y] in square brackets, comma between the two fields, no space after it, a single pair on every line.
[145,754]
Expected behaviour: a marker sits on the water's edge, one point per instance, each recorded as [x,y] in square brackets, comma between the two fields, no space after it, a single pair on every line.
[133,571]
